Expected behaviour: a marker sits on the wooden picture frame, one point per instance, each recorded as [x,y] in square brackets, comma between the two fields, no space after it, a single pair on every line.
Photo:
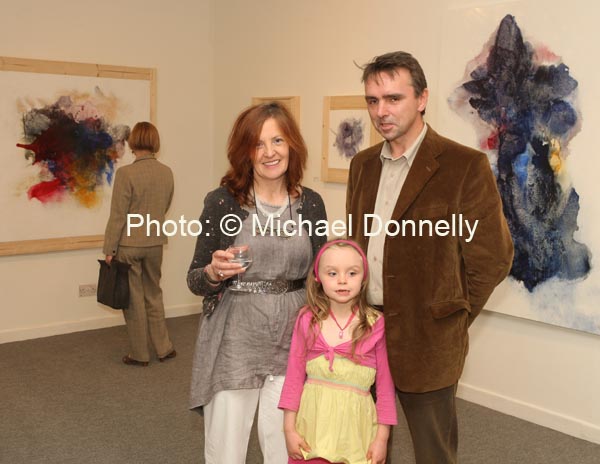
[291,103]
[25,83]
[344,115]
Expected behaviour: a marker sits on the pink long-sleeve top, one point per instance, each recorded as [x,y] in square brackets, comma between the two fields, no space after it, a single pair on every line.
[370,352]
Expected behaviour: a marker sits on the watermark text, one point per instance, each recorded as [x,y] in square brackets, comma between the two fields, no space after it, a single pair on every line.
[456,225]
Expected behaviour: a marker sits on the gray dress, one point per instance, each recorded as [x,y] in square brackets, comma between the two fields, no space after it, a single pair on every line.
[247,338]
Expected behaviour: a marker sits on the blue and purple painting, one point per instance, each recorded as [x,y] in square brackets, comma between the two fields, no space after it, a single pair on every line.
[526,98]
[349,137]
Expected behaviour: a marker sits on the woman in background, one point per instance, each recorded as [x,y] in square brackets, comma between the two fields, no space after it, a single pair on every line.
[243,343]
[144,187]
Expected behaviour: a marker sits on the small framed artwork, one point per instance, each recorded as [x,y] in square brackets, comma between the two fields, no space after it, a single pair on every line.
[63,132]
[347,129]
[291,103]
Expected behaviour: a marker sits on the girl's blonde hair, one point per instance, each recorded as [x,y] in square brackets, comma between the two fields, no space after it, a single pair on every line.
[319,303]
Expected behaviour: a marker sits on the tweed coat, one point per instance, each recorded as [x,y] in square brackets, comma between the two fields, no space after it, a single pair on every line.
[144,187]
[434,286]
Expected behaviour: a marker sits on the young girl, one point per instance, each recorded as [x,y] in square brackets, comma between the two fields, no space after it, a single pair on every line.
[338,351]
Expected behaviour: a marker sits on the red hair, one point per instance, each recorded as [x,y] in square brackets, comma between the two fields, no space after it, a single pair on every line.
[241,149]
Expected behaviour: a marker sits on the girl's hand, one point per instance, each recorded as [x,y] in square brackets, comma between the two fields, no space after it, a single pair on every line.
[294,444]
[377,451]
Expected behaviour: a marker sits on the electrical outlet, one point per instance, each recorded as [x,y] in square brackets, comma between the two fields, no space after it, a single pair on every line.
[87,290]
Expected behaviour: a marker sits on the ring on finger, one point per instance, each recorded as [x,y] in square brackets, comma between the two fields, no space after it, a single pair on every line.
[220,273]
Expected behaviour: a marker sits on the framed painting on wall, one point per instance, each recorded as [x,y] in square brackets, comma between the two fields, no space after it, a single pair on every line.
[526,97]
[63,128]
[347,129]
[291,103]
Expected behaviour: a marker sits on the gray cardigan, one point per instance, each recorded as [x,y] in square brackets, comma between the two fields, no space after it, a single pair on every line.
[220,203]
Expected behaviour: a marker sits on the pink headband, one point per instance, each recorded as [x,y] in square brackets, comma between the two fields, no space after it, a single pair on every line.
[336,242]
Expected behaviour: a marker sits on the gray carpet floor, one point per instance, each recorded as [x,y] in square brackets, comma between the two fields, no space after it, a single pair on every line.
[69,399]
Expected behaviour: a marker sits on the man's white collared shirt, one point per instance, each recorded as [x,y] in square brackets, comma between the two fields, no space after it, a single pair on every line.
[391,181]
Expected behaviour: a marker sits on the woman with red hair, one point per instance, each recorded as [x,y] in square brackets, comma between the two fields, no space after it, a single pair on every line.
[243,343]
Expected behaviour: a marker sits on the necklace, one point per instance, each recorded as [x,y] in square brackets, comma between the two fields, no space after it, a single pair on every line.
[259,206]
[341,332]
[275,230]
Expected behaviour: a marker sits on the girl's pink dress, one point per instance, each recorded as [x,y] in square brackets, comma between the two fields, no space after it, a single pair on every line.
[330,390]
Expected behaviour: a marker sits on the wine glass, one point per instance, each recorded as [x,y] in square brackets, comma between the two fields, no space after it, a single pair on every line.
[243,256]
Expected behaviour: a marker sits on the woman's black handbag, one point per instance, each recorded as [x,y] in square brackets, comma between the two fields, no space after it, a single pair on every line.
[113,284]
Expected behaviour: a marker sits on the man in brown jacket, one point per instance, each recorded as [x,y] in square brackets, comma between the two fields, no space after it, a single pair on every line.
[143,189]
[445,248]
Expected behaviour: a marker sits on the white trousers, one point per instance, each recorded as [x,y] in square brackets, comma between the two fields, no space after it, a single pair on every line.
[228,421]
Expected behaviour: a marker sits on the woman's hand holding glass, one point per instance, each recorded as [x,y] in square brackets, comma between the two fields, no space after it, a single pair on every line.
[223,266]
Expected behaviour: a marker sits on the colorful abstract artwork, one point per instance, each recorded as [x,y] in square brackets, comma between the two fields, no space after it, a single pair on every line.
[519,100]
[526,98]
[63,132]
[74,145]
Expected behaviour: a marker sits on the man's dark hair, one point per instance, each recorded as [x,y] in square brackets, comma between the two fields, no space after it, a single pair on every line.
[390,63]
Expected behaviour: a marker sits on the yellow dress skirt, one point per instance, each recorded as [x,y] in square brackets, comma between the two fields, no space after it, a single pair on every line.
[337,415]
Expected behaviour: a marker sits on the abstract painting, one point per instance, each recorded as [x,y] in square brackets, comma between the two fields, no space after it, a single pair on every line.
[522,100]
[349,132]
[63,133]
[75,147]
[347,129]
[525,96]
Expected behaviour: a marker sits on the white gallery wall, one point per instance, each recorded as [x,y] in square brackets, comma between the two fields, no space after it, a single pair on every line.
[212,57]
[542,373]
[39,292]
